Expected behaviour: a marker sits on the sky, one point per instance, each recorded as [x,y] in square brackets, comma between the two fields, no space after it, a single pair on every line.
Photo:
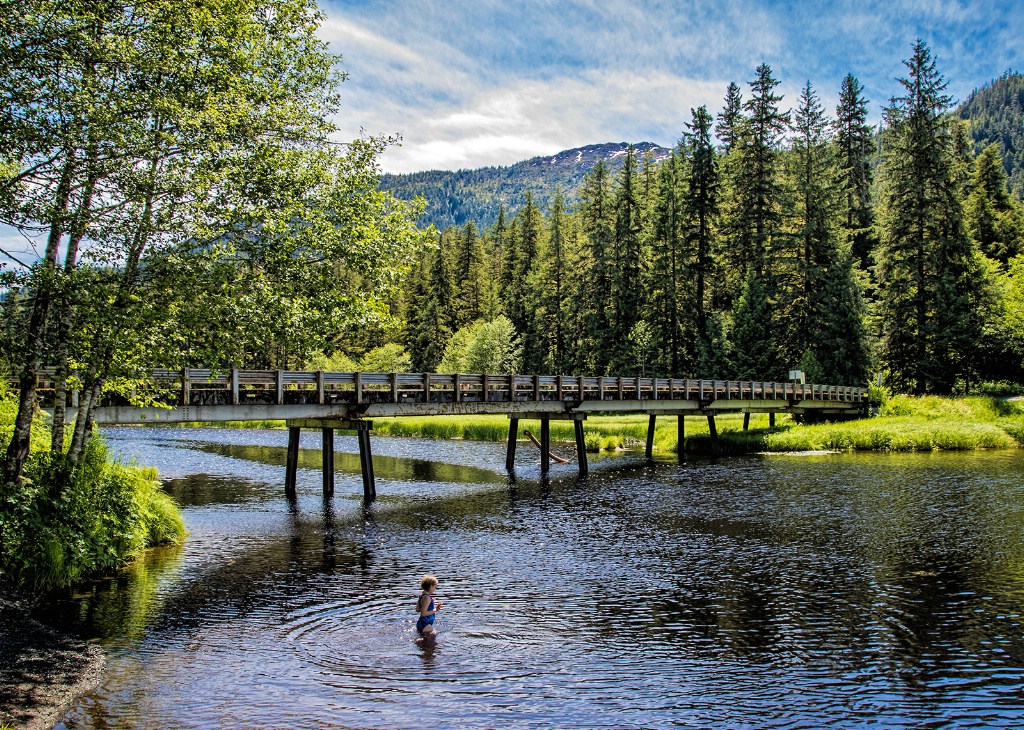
[471,83]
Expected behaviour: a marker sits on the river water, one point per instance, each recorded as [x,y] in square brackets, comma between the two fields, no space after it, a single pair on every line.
[766,591]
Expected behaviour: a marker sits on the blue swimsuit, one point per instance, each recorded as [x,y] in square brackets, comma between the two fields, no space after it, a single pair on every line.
[425,621]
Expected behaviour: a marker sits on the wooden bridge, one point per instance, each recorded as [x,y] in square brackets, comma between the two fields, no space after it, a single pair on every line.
[349,401]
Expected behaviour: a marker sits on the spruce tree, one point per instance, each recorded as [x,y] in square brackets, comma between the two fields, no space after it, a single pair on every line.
[550,287]
[470,277]
[854,140]
[494,252]
[627,283]
[730,119]
[758,185]
[666,278]
[816,201]
[753,353]
[701,206]
[994,218]
[932,285]
[518,296]
[597,223]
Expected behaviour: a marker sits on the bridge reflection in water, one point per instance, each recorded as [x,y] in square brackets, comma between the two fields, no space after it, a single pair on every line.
[349,401]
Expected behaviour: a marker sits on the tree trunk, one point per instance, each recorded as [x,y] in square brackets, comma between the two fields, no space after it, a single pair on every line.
[83,424]
[17,450]
[65,311]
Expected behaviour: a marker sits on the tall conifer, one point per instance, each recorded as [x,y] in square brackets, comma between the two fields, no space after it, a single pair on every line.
[932,286]
[855,144]
[627,283]
[597,216]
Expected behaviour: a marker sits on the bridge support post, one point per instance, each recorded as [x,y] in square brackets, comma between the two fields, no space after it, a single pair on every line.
[545,445]
[746,421]
[510,452]
[327,461]
[366,465]
[681,438]
[715,448]
[581,446]
[771,420]
[291,467]
[651,422]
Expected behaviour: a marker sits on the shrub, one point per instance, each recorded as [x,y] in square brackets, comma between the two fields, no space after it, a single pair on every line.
[65,522]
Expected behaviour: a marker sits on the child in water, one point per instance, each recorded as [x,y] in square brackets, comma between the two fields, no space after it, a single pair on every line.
[426,607]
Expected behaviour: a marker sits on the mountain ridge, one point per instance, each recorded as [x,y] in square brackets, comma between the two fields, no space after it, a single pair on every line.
[994,112]
[455,197]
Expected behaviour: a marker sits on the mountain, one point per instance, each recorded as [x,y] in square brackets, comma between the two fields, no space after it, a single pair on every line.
[995,113]
[453,198]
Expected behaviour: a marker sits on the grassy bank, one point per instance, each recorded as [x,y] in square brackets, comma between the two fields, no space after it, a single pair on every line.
[65,523]
[904,423]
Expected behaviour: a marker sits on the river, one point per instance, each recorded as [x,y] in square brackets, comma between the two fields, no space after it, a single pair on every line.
[763,591]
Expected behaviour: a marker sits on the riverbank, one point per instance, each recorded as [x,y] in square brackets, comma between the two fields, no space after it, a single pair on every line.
[42,671]
[903,423]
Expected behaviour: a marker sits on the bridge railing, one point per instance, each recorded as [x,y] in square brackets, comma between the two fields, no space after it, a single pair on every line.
[204,387]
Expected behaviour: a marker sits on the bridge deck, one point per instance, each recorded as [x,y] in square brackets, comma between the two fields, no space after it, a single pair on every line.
[194,395]
[329,401]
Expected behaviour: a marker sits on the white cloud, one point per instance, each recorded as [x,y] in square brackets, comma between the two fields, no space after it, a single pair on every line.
[485,83]
[539,118]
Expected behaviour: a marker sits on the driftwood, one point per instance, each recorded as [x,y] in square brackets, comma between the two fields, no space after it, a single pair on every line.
[536,443]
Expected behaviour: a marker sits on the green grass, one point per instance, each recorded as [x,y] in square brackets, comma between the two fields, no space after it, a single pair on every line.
[904,423]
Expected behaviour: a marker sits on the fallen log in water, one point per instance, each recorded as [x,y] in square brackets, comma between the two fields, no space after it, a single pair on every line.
[536,443]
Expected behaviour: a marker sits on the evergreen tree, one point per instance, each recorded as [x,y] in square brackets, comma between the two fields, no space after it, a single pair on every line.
[494,252]
[816,189]
[627,283]
[597,223]
[437,314]
[518,296]
[730,119]
[753,352]
[994,218]
[841,347]
[471,277]
[551,288]
[758,187]
[931,280]
[701,206]
[855,144]
[665,280]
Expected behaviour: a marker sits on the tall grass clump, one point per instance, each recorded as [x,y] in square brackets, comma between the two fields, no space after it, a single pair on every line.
[67,521]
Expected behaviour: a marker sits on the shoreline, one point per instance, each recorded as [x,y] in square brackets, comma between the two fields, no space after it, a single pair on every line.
[42,671]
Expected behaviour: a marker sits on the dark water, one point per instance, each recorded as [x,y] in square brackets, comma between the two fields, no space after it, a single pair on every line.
[798,592]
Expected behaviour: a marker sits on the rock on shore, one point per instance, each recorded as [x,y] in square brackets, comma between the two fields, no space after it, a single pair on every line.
[41,670]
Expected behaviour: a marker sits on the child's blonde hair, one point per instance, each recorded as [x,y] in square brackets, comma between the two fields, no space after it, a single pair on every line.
[427,582]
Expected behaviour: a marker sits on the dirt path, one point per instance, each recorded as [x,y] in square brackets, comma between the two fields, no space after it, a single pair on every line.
[41,671]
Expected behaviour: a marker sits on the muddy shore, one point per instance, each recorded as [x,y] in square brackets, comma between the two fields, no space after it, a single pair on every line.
[42,671]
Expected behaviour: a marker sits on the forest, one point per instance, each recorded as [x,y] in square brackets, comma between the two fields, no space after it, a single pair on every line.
[769,240]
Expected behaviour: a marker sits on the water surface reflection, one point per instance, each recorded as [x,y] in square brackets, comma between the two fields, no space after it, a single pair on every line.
[756,592]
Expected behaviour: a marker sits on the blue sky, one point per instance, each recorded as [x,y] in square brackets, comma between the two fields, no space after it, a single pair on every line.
[479,83]
[469,83]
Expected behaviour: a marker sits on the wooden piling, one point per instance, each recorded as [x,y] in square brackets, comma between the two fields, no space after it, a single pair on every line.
[366,465]
[771,420]
[545,445]
[581,446]
[327,461]
[715,448]
[681,438]
[746,421]
[651,421]
[510,453]
[291,462]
